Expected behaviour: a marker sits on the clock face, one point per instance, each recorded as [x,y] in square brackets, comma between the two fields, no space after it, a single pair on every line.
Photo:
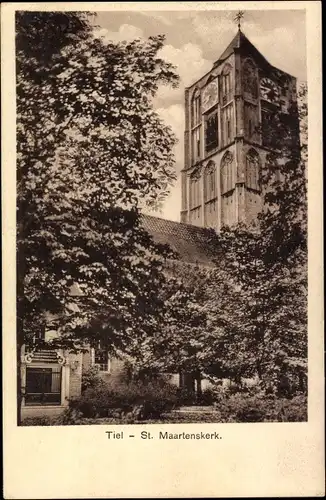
[210,95]
[269,90]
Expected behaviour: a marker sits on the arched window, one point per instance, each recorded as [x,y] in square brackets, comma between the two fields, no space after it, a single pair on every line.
[227,173]
[211,131]
[210,189]
[195,198]
[196,119]
[196,144]
[195,108]
[226,84]
[249,78]
[252,170]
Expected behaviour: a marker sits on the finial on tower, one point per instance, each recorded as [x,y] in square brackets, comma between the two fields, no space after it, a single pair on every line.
[238,18]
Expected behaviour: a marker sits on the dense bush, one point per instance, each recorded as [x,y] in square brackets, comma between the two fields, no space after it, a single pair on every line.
[206,398]
[261,408]
[39,421]
[91,378]
[138,400]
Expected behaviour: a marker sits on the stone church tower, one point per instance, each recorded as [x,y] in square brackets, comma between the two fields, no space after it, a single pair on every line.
[224,150]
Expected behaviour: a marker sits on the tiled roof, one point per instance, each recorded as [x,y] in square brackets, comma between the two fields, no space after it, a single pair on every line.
[241,41]
[191,243]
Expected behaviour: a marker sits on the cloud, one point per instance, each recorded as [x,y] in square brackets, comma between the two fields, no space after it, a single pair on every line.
[159,16]
[190,64]
[281,46]
[174,117]
[126,32]
[214,31]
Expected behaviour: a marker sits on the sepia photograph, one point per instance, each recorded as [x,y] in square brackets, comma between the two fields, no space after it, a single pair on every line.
[161,217]
[162,250]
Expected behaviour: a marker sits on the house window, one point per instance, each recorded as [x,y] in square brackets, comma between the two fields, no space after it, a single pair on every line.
[101,359]
[227,173]
[43,386]
[211,132]
[252,170]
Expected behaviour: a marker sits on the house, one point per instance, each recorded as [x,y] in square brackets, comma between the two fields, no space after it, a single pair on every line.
[219,186]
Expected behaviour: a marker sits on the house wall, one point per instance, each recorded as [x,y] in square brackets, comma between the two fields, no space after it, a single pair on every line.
[116,367]
[71,373]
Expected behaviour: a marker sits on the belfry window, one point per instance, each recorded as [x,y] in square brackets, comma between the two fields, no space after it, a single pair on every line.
[268,138]
[249,79]
[226,84]
[226,173]
[252,170]
[227,124]
[211,132]
[196,109]
[196,144]
[196,120]
[195,198]
[210,187]
[250,128]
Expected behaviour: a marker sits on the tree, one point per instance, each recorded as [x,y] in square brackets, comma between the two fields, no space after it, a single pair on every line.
[269,261]
[247,316]
[191,337]
[91,152]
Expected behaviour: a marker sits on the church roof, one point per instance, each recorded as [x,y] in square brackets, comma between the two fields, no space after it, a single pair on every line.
[240,41]
[191,243]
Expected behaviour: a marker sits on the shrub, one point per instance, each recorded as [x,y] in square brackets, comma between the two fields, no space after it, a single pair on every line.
[261,408]
[91,378]
[290,410]
[206,398]
[138,400]
[41,421]
[70,416]
[186,397]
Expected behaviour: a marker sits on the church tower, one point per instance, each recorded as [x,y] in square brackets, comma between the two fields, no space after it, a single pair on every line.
[224,149]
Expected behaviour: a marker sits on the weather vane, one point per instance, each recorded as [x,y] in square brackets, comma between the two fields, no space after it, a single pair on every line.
[238,18]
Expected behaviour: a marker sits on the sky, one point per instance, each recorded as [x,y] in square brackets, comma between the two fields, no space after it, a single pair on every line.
[194,40]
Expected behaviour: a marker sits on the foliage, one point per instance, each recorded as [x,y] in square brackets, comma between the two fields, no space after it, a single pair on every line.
[91,152]
[39,421]
[91,378]
[267,262]
[228,408]
[198,311]
[241,407]
[247,316]
[70,416]
[206,398]
[136,400]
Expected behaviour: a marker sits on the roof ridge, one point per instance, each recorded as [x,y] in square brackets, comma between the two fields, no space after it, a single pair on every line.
[190,226]
[191,243]
[236,42]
